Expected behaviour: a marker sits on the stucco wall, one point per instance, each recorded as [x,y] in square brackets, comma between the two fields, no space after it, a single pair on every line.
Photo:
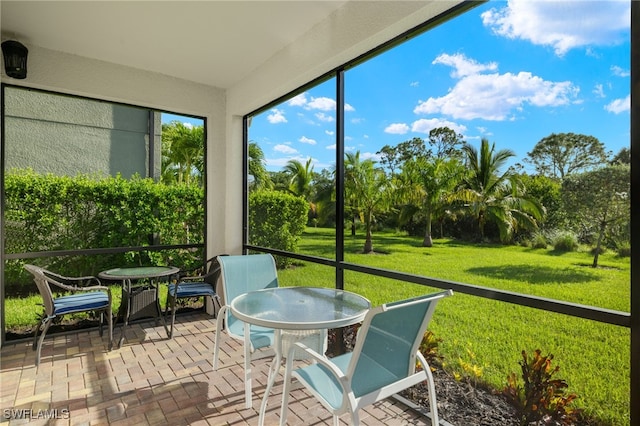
[66,135]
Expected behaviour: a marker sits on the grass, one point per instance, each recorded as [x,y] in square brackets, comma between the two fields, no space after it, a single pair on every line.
[479,334]
[490,335]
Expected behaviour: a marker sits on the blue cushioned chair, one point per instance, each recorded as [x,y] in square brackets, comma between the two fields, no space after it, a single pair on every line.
[239,275]
[383,361]
[194,287]
[80,298]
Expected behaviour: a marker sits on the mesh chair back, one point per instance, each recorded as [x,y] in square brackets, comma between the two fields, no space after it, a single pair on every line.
[241,274]
[391,336]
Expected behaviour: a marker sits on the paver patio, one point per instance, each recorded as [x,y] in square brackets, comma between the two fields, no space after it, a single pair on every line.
[153,380]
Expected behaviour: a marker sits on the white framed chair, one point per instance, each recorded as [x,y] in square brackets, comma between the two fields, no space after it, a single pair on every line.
[240,274]
[383,361]
[82,298]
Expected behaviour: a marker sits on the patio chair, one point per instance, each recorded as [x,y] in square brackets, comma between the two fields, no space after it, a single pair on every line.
[82,298]
[194,287]
[383,361]
[240,274]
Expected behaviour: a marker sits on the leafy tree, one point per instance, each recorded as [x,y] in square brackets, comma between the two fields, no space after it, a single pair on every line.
[494,196]
[182,153]
[622,157]
[393,157]
[547,190]
[426,184]
[369,187]
[562,154]
[446,142]
[257,169]
[599,200]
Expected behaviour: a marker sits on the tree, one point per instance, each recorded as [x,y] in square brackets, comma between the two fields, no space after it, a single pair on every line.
[369,187]
[562,154]
[494,196]
[300,178]
[446,142]
[598,200]
[182,153]
[622,157]
[426,185]
[257,169]
[393,157]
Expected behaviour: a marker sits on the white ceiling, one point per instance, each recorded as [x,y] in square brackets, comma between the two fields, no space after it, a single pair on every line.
[211,42]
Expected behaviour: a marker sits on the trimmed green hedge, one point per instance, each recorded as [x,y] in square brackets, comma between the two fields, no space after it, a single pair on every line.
[62,213]
[276,220]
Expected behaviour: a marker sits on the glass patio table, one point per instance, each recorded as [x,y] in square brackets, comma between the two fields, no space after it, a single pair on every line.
[295,309]
[139,300]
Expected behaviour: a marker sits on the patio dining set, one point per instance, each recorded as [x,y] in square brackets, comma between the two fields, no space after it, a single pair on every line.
[288,324]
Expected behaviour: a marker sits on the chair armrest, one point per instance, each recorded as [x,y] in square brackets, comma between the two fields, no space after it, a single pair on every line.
[320,359]
[185,277]
[68,283]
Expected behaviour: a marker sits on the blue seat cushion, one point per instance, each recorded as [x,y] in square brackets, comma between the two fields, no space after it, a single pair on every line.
[192,290]
[80,302]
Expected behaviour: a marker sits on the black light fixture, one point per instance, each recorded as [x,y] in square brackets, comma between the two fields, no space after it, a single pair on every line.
[15,59]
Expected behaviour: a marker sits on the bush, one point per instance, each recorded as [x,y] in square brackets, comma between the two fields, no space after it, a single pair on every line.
[624,250]
[541,397]
[539,240]
[565,241]
[276,220]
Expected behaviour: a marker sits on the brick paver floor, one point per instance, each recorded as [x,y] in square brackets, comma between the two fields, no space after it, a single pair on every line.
[155,381]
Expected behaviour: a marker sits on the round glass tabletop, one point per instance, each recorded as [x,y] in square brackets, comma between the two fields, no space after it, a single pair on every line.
[138,272]
[300,308]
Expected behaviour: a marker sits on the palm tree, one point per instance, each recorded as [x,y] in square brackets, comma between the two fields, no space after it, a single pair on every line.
[494,196]
[300,178]
[369,188]
[261,179]
[425,185]
[182,153]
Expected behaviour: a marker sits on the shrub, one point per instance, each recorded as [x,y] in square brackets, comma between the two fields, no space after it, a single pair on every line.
[276,220]
[429,347]
[539,240]
[565,241]
[541,398]
[624,250]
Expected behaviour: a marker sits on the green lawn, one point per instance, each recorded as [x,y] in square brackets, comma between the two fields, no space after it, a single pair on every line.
[593,357]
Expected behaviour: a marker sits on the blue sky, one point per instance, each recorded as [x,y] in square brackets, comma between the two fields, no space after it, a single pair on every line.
[512,72]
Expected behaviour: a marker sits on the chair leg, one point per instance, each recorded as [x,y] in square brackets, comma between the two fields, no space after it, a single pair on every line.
[284,410]
[173,312]
[433,405]
[35,334]
[216,344]
[109,314]
[247,367]
[46,323]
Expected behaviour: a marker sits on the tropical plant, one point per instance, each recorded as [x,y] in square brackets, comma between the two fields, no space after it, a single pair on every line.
[182,153]
[426,185]
[541,397]
[257,169]
[369,189]
[491,195]
[300,178]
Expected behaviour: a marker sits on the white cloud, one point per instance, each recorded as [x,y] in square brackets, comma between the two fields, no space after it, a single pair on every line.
[425,125]
[307,140]
[330,132]
[495,96]
[298,100]
[463,66]
[414,84]
[369,156]
[619,105]
[321,103]
[276,116]
[285,149]
[397,129]
[324,117]
[620,72]
[545,22]
[598,90]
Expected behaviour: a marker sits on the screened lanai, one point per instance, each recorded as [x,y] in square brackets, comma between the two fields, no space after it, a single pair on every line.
[228,62]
